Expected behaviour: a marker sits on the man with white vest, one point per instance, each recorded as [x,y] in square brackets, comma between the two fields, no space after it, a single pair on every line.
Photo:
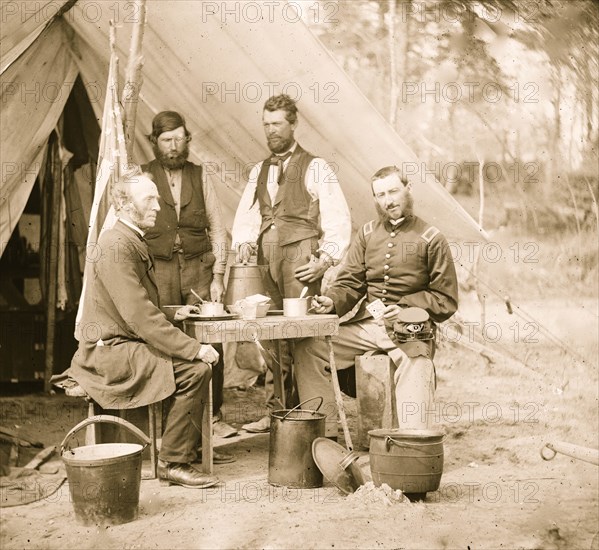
[294,215]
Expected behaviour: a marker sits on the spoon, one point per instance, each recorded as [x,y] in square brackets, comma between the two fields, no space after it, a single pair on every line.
[304,292]
[197,295]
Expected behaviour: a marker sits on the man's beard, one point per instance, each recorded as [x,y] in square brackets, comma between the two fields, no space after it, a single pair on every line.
[281,146]
[171,162]
[406,210]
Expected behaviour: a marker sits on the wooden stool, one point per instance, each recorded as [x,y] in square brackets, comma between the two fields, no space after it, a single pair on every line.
[91,435]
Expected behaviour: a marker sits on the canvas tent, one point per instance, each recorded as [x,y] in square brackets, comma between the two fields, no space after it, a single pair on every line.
[215,62]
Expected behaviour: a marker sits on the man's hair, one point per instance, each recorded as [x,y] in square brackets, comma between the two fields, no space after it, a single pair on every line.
[121,188]
[282,102]
[166,121]
[387,171]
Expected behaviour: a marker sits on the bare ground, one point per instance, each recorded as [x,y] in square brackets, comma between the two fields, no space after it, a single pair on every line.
[496,491]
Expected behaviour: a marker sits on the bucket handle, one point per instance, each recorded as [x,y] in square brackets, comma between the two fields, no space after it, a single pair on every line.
[110,420]
[303,403]
[390,441]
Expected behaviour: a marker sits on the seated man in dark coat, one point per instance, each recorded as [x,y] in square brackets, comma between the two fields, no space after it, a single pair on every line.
[129,354]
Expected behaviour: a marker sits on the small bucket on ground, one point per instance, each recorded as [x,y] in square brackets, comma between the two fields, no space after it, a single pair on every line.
[290,461]
[409,460]
[104,479]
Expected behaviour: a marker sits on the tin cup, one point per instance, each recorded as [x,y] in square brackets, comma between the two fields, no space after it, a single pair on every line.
[212,309]
[249,310]
[296,307]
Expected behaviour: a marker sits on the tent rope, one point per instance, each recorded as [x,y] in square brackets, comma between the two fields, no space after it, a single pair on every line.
[481,349]
[528,317]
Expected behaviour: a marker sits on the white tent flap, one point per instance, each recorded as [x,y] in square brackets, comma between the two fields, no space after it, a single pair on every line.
[34,92]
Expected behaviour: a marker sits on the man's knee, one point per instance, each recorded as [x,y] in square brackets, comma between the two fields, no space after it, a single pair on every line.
[303,353]
[299,347]
[201,371]
[311,360]
[309,347]
[195,375]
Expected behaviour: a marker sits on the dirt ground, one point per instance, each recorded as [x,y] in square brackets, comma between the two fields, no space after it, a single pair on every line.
[496,491]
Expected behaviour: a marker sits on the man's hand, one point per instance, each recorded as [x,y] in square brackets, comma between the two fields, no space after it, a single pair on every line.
[185,311]
[245,251]
[322,304]
[391,314]
[217,288]
[313,270]
[208,354]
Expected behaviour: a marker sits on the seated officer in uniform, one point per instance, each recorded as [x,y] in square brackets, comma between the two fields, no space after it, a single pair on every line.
[405,263]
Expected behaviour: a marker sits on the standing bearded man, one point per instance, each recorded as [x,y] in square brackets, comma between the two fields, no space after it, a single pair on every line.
[189,240]
[294,214]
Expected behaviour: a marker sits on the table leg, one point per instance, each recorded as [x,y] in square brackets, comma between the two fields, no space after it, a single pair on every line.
[338,397]
[277,376]
[207,466]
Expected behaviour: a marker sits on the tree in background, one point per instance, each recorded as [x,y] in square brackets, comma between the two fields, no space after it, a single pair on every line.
[511,84]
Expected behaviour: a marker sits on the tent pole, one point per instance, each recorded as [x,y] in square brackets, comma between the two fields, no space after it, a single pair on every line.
[53,265]
[481,213]
[133,76]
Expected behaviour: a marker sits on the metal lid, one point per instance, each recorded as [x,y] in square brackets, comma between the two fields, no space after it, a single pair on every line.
[406,433]
[330,457]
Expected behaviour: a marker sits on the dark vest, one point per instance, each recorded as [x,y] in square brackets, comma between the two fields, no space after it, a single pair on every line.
[192,224]
[294,212]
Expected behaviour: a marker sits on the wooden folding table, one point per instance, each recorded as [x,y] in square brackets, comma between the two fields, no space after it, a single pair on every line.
[271,327]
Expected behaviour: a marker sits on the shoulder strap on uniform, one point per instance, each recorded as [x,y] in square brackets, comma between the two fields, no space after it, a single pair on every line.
[430,234]
[368,227]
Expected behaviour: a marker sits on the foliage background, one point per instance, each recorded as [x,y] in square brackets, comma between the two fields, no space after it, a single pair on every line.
[499,99]
[511,84]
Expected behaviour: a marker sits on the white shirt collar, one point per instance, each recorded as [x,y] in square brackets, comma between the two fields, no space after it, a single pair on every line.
[132,226]
[397,222]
